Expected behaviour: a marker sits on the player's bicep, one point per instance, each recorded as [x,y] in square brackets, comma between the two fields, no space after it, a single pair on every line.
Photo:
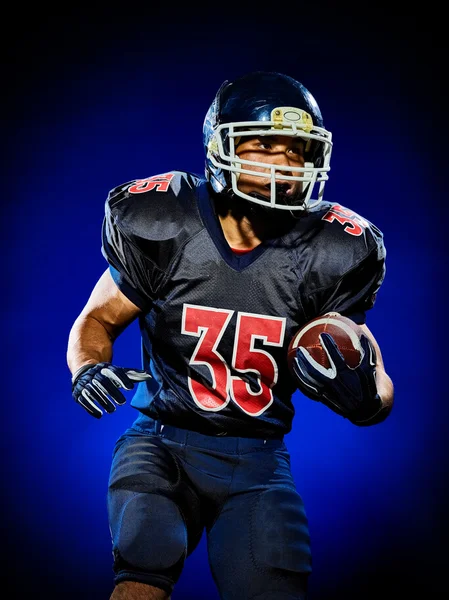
[109,306]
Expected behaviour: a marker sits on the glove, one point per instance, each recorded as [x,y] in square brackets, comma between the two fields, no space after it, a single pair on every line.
[349,392]
[98,383]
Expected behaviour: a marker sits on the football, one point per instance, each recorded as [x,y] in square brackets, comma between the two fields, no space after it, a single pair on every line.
[345,332]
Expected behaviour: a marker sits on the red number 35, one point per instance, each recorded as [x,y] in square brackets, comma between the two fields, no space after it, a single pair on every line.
[209,325]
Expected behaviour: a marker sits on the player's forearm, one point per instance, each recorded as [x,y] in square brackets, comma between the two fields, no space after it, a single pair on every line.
[89,342]
[385,388]
[386,392]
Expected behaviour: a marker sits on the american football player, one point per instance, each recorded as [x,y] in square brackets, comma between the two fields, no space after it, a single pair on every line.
[220,270]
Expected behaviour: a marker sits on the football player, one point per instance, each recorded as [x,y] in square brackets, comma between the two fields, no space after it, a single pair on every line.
[220,271]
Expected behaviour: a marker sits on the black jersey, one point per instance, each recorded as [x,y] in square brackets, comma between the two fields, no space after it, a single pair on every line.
[216,325]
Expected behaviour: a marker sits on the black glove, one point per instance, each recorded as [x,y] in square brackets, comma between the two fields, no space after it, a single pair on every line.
[98,383]
[349,392]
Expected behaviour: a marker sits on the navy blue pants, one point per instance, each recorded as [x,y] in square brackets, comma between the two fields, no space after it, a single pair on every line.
[168,484]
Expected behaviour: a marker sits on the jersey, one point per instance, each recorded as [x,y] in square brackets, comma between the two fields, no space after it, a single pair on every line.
[216,325]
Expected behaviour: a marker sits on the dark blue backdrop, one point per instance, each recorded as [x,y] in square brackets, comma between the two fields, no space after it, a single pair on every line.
[90,103]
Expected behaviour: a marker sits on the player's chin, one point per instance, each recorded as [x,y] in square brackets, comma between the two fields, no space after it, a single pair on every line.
[291,198]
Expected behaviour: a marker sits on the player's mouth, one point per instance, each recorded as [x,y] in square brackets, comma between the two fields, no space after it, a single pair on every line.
[285,194]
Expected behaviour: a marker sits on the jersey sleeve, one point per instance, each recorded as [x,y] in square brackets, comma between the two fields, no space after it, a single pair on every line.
[127,264]
[145,226]
[350,276]
[355,293]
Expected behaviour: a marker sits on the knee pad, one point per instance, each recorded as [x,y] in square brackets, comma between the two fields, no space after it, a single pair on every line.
[280,532]
[150,536]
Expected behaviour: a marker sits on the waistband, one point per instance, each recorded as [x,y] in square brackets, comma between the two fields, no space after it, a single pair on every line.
[188,437]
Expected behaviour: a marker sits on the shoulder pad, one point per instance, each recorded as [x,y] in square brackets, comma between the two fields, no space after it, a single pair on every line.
[346,230]
[341,261]
[335,241]
[156,214]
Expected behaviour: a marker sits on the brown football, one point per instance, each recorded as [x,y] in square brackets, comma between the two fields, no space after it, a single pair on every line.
[345,332]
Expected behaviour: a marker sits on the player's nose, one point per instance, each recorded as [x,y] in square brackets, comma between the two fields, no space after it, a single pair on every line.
[282,160]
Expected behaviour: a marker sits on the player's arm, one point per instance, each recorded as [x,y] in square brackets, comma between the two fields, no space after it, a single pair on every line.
[384,384]
[362,394]
[95,381]
[106,314]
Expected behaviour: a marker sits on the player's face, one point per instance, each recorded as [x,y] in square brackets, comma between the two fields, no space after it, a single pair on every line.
[276,149]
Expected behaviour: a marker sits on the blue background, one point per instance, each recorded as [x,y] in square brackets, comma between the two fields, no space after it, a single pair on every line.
[91,101]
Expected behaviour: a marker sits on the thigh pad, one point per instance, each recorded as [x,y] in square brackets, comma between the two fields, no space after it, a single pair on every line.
[280,533]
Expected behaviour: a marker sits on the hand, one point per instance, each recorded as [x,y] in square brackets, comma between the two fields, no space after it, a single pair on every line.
[98,384]
[350,392]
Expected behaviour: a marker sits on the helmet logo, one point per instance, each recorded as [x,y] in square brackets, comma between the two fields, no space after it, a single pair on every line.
[284,116]
[213,145]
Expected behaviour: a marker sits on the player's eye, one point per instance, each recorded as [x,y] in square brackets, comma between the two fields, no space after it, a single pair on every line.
[297,150]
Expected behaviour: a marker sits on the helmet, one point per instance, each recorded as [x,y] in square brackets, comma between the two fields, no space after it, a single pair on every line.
[258,104]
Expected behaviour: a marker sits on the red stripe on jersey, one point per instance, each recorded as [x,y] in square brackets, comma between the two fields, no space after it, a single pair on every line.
[241,250]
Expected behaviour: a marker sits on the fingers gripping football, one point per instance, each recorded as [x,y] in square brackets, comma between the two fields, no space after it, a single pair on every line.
[97,387]
[348,391]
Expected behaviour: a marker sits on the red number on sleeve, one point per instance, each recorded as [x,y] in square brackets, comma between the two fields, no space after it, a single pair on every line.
[354,224]
[159,183]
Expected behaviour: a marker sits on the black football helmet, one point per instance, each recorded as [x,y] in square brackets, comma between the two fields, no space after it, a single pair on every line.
[258,104]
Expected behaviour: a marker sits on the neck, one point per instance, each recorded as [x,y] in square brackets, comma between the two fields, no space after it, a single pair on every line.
[239,231]
[245,225]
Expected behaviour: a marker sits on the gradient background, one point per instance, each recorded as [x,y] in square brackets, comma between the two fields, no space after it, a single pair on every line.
[91,101]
